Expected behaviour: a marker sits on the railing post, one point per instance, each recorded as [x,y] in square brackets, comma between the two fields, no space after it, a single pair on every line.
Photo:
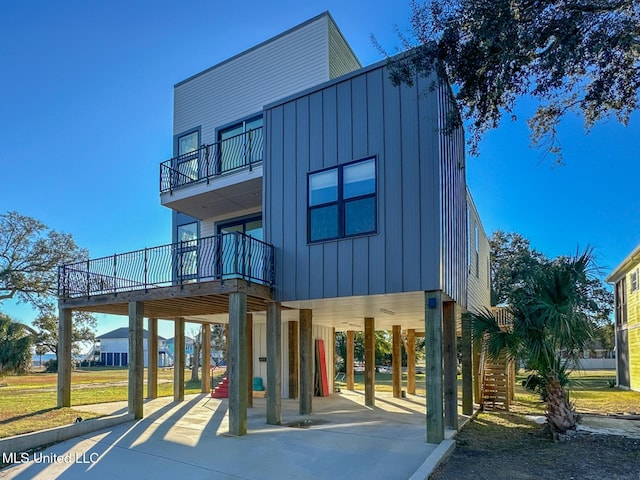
[249,148]
[235,260]
[88,285]
[250,240]
[206,153]
[146,259]
[115,273]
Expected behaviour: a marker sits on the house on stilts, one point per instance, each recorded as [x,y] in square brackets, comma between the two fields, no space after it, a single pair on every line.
[309,195]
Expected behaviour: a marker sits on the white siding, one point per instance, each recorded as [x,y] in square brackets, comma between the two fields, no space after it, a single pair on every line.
[121,345]
[342,60]
[242,85]
[260,350]
[208,225]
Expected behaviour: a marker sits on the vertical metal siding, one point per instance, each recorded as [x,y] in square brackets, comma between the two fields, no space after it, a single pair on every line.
[301,260]
[430,201]
[374,108]
[454,203]
[359,116]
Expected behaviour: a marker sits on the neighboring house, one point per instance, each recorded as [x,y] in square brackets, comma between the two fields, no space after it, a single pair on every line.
[309,195]
[188,348]
[112,349]
[626,281]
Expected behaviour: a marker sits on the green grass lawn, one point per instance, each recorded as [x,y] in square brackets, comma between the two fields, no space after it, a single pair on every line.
[28,402]
[589,390]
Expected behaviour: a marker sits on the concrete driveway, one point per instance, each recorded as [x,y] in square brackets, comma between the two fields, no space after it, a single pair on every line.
[342,439]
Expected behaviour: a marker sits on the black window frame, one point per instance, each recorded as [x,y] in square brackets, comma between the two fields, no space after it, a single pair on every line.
[341,202]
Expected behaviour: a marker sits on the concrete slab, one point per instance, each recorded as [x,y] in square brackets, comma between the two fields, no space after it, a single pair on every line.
[341,439]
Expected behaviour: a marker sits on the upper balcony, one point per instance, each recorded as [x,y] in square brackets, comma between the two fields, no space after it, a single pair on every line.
[215,179]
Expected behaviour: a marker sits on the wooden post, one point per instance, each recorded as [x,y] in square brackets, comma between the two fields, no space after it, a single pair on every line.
[205,386]
[306,362]
[433,346]
[476,350]
[450,360]
[237,366]
[467,366]
[331,364]
[349,361]
[152,362]
[396,358]
[294,355]
[64,357]
[136,359]
[250,360]
[369,362]
[178,360]
[226,345]
[411,361]
[274,362]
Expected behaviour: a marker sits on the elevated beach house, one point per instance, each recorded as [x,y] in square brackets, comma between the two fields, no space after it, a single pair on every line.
[309,195]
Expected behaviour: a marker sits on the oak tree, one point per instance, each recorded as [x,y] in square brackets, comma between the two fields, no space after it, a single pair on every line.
[580,56]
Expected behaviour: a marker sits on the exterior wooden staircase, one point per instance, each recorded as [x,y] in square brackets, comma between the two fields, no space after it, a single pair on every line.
[497,382]
[497,376]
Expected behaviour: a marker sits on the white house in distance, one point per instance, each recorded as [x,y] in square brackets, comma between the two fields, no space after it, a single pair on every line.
[310,196]
[114,349]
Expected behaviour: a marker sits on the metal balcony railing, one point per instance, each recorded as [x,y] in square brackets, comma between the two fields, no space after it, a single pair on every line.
[220,257]
[209,161]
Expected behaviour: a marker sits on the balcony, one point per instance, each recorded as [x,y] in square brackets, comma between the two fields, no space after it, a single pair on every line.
[215,260]
[215,179]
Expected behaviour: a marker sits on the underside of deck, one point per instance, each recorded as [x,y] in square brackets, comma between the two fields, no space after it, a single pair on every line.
[202,298]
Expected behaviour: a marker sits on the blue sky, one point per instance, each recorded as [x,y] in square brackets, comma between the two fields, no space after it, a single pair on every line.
[86,118]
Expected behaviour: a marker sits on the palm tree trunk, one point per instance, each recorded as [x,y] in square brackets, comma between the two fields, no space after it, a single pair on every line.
[561,414]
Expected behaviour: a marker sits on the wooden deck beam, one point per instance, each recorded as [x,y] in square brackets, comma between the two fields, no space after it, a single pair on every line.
[411,361]
[396,359]
[306,362]
[152,362]
[274,360]
[136,360]
[433,346]
[369,362]
[350,360]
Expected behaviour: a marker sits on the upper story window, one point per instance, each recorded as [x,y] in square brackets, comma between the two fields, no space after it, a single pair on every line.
[188,155]
[634,281]
[342,201]
[241,144]
[621,302]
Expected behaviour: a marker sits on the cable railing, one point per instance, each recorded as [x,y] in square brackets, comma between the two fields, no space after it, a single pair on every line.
[220,257]
[209,161]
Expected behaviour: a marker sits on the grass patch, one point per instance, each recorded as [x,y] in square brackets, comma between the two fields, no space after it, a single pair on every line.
[589,390]
[28,403]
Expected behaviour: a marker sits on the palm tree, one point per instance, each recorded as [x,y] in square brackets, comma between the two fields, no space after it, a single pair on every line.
[15,346]
[551,325]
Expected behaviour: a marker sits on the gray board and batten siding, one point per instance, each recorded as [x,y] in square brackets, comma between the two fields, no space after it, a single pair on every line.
[421,189]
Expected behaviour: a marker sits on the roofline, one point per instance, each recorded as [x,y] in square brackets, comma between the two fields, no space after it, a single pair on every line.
[262,44]
[625,266]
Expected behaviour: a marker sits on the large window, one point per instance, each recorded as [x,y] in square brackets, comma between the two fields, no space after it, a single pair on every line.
[188,157]
[187,259]
[240,144]
[342,201]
